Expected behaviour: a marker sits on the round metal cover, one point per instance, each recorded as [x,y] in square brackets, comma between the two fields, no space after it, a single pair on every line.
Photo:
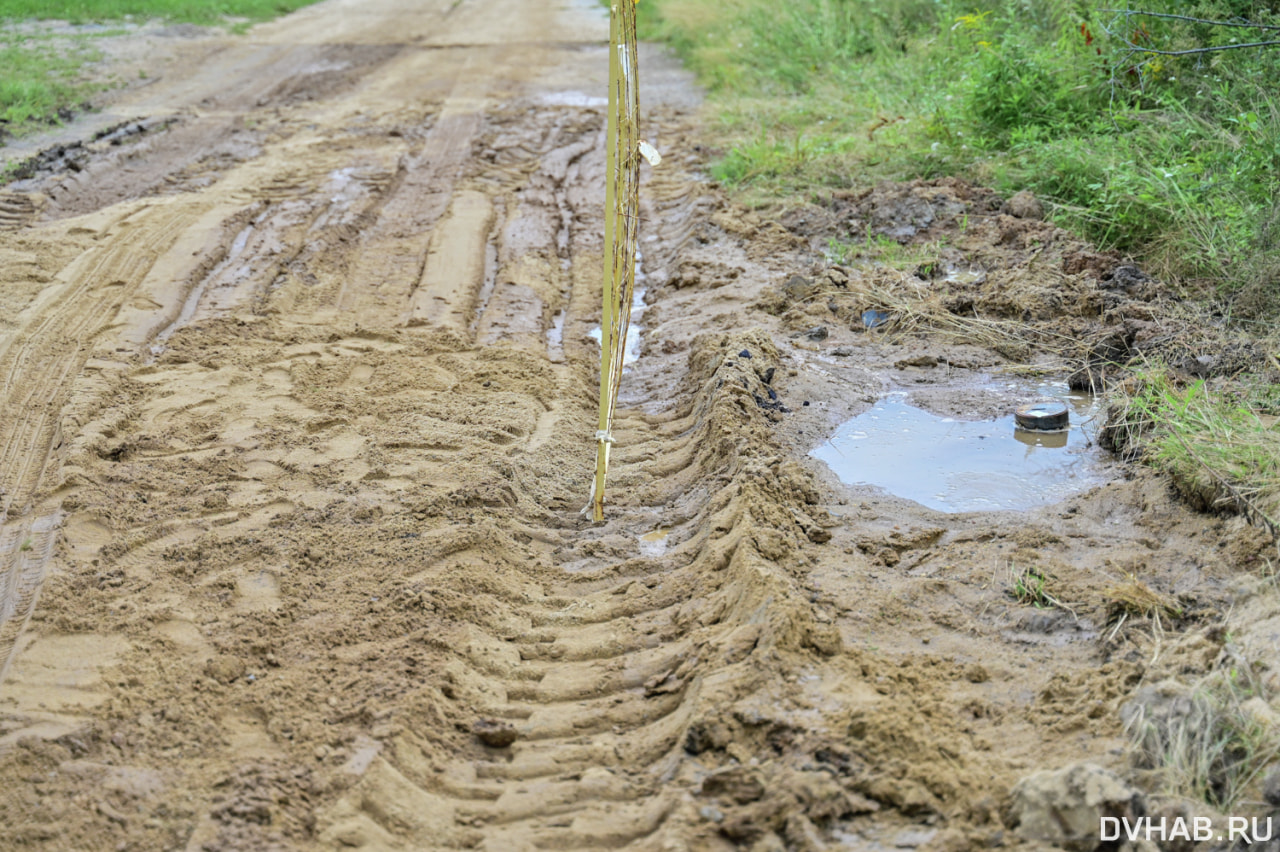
[1045,416]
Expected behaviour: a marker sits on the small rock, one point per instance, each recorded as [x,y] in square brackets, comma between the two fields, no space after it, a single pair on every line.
[712,814]
[1024,205]
[1130,279]
[976,673]
[825,639]
[917,361]
[1201,366]
[842,351]
[1165,710]
[706,735]
[225,668]
[818,332]
[874,319]
[798,287]
[745,353]
[737,783]
[1064,807]
[1168,815]
[1271,786]
[494,732]
[818,535]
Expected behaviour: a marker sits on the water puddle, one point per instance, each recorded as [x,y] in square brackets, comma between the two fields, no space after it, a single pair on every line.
[956,465]
[654,543]
[631,349]
[953,274]
[573,99]
[192,302]
[555,338]
[488,285]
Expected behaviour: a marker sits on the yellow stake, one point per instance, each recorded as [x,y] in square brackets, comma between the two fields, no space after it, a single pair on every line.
[620,226]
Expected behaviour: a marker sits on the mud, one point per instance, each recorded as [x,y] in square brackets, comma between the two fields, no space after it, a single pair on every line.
[299,391]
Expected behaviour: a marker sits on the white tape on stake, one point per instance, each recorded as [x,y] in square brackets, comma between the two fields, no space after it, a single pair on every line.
[650,153]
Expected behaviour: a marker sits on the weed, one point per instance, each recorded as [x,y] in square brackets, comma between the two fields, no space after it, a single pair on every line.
[1028,585]
[1210,741]
[25,546]
[1218,450]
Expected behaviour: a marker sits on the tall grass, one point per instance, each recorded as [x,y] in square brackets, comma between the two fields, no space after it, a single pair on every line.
[1171,159]
[1218,449]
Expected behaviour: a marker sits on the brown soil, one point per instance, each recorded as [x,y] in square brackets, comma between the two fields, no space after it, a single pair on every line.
[298,397]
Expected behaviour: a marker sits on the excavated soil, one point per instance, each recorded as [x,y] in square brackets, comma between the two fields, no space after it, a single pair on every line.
[298,404]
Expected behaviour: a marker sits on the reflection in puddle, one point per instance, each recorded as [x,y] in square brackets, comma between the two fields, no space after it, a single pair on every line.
[959,466]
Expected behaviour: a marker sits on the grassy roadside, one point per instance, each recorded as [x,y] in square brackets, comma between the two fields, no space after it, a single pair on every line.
[1167,158]
[43,77]
[40,78]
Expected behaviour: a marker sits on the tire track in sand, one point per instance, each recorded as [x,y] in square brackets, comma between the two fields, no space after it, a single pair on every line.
[613,666]
[108,289]
[38,367]
[415,462]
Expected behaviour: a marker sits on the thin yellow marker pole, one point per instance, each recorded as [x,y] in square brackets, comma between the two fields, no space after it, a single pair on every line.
[607,341]
[621,213]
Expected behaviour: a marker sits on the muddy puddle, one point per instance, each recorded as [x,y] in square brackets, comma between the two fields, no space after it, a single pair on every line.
[654,543]
[953,464]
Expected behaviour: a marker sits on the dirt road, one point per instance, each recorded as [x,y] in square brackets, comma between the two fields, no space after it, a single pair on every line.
[298,397]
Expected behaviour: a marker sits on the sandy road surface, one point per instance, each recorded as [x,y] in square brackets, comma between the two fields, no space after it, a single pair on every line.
[297,398]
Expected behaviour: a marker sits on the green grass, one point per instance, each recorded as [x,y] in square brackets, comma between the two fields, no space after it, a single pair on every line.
[37,82]
[1220,448]
[1170,159]
[1028,585]
[178,11]
[42,74]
